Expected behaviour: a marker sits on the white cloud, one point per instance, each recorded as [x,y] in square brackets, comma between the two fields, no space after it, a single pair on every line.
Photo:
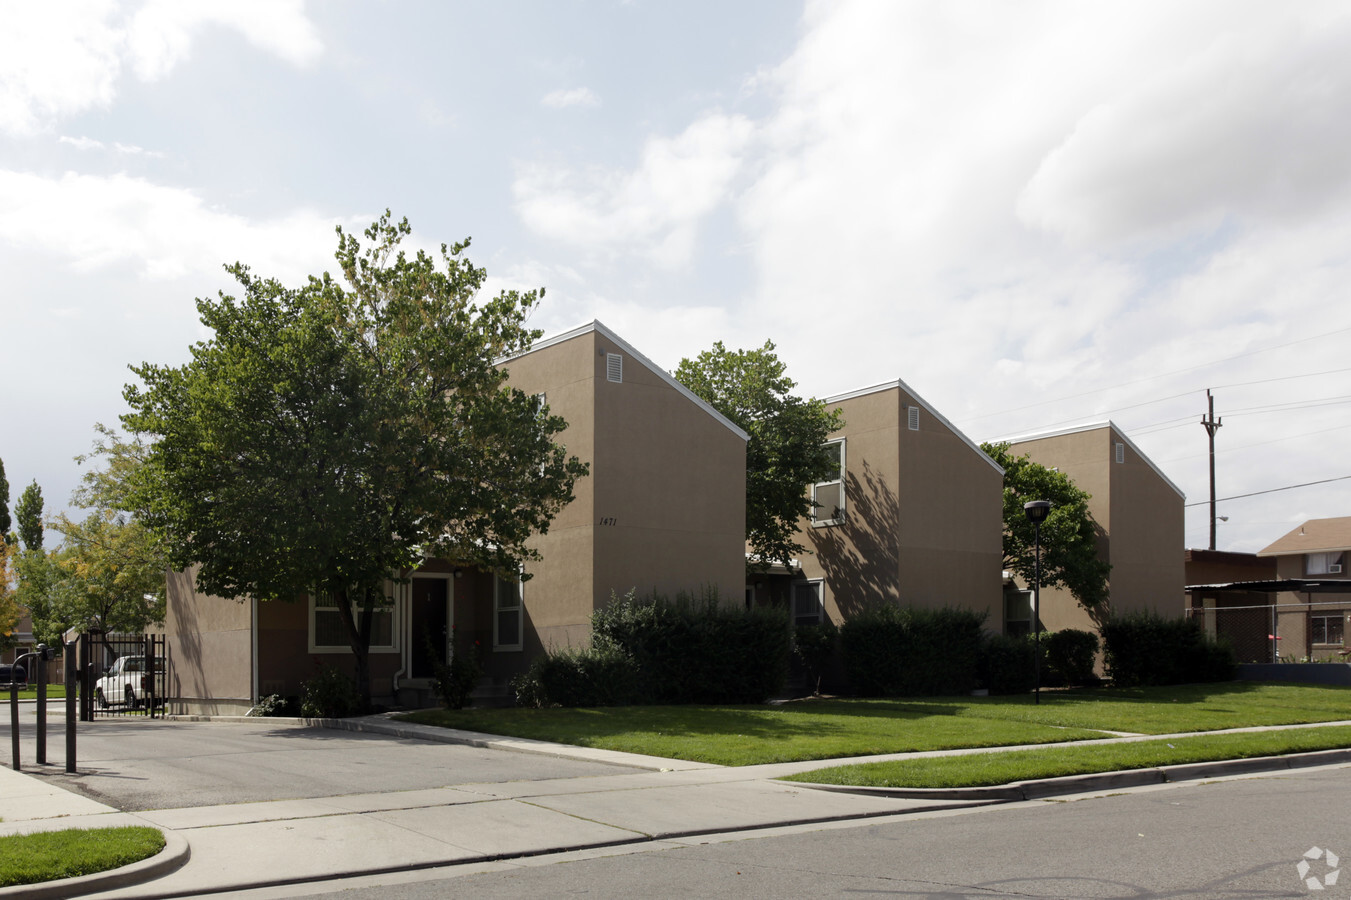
[570,97]
[655,208]
[87,143]
[161,232]
[58,59]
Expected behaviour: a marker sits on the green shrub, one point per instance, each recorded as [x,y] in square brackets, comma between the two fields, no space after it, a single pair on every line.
[814,646]
[454,681]
[893,652]
[1069,656]
[596,676]
[329,694]
[1007,664]
[275,705]
[696,650]
[1145,648]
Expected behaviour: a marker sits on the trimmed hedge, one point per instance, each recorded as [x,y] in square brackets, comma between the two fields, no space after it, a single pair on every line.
[1145,648]
[648,650]
[592,677]
[696,650]
[893,652]
[1007,664]
[1069,657]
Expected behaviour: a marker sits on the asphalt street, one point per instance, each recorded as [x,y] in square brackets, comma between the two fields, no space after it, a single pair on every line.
[142,764]
[1236,839]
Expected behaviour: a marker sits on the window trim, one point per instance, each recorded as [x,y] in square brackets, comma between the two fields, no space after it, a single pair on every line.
[394,623]
[1328,618]
[1330,558]
[842,509]
[820,585]
[498,645]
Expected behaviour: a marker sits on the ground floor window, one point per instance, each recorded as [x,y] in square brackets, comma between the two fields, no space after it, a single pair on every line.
[508,614]
[1017,612]
[327,634]
[1328,629]
[808,608]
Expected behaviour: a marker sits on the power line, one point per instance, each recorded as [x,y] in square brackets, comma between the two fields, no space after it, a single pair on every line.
[1178,372]
[1288,437]
[1288,487]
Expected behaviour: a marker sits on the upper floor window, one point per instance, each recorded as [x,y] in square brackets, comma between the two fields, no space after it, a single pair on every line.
[1325,563]
[828,495]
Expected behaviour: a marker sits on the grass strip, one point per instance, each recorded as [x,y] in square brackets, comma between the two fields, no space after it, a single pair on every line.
[986,769]
[832,728]
[54,692]
[48,855]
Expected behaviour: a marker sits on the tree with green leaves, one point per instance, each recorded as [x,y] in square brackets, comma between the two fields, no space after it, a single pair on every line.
[786,451]
[1069,551]
[28,514]
[330,437]
[9,606]
[4,504]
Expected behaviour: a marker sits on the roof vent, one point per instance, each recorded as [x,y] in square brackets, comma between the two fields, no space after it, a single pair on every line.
[614,367]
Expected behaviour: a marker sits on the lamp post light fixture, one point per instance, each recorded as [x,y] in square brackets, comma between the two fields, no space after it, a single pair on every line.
[1037,511]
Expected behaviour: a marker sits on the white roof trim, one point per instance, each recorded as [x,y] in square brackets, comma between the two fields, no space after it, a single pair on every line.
[898,384]
[596,326]
[1096,426]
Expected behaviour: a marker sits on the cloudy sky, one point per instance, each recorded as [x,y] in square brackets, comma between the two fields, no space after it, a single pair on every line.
[1036,214]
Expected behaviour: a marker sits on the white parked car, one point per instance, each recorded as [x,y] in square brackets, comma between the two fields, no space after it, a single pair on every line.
[125,684]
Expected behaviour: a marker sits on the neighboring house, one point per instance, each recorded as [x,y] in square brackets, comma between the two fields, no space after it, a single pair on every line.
[913,517]
[1312,596]
[1228,597]
[663,509]
[1138,512]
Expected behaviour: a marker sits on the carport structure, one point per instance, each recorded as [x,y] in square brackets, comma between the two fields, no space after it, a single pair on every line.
[1270,620]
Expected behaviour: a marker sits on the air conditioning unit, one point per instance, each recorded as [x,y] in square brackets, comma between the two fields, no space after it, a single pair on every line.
[1335,569]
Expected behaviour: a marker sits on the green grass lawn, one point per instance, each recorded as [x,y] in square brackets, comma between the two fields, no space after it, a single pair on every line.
[54,692]
[983,769]
[827,729]
[48,855]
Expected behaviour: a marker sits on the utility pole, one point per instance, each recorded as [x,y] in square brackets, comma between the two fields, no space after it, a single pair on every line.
[1211,425]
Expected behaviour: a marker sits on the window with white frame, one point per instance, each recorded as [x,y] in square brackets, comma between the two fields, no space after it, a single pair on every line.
[1333,563]
[327,634]
[1327,629]
[828,495]
[808,608]
[508,614]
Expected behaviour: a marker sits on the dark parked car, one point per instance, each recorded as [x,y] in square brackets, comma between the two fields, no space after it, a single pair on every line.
[12,674]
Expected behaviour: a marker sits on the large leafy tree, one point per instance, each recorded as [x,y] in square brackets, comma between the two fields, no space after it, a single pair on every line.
[9,607]
[4,504]
[785,452]
[108,575]
[28,514]
[1069,552]
[330,436]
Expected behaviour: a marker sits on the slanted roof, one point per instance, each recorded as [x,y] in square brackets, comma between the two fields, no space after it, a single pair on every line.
[1275,586]
[1096,426]
[924,405]
[596,326]
[1314,536]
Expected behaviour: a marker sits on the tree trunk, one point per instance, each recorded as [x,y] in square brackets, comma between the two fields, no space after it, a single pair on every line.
[359,639]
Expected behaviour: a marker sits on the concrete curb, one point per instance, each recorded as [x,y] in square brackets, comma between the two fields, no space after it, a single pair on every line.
[1103,781]
[173,857]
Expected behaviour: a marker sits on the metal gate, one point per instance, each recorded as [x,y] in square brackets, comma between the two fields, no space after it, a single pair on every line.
[122,675]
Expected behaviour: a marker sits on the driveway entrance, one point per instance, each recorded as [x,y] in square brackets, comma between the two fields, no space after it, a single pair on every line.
[164,765]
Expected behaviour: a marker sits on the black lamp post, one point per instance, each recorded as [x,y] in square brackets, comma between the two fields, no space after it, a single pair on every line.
[1037,511]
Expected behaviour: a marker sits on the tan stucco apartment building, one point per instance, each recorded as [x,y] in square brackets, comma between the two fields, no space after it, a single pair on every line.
[1139,514]
[913,517]
[1312,596]
[663,509]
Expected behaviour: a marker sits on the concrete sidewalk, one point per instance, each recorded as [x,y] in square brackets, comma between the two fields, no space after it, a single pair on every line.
[239,846]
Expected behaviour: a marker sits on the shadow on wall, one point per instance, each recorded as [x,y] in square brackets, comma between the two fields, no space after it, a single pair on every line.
[187,641]
[860,557]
